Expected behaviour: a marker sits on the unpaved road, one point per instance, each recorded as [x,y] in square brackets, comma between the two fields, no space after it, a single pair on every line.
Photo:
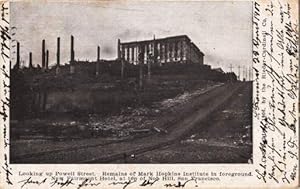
[202,107]
[223,137]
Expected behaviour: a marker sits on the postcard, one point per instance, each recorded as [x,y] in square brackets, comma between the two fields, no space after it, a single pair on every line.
[149,94]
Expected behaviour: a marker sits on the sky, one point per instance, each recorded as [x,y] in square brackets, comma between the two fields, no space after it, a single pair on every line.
[221,30]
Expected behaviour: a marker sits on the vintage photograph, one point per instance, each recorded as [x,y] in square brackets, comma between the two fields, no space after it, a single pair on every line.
[131,82]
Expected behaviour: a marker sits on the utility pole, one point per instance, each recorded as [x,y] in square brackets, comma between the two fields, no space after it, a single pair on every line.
[230,67]
[250,74]
[246,76]
[239,76]
[244,73]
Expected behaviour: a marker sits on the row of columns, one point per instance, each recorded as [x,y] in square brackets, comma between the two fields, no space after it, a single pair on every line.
[161,51]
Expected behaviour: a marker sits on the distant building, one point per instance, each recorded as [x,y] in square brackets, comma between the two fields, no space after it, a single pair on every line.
[231,76]
[176,49]
[219,70]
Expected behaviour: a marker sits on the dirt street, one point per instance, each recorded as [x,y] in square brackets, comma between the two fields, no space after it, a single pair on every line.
[223,137]
[202,109]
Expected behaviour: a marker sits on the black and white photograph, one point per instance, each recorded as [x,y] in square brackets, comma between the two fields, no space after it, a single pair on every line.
[131,82]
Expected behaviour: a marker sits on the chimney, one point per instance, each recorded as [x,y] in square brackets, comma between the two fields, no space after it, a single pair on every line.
[58,52]
[98,54]
[30,60]
[72,49]
[119,50]
[43,54]
[154,53]
[98,60]
[72,68]
[47,59]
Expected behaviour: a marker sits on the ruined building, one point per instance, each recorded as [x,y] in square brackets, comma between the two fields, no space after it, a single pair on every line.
[175,49]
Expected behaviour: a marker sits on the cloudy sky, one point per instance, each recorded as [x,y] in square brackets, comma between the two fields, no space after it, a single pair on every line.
[222,30]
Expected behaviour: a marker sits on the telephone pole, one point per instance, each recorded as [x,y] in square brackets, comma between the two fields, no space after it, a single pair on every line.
[239,74]
[230,67]
[250,74]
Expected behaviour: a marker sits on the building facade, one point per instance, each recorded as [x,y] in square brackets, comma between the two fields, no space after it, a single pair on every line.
[176,49]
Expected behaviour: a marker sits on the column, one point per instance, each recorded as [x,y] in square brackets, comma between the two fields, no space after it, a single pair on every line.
[173,51]
[184,51]
[154,50]
[181,50]
[127,49]
[132,54]
[176,51]
[167,52]
[122,52]
[141,64]
[122,61]
[163,56]
[119,50]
